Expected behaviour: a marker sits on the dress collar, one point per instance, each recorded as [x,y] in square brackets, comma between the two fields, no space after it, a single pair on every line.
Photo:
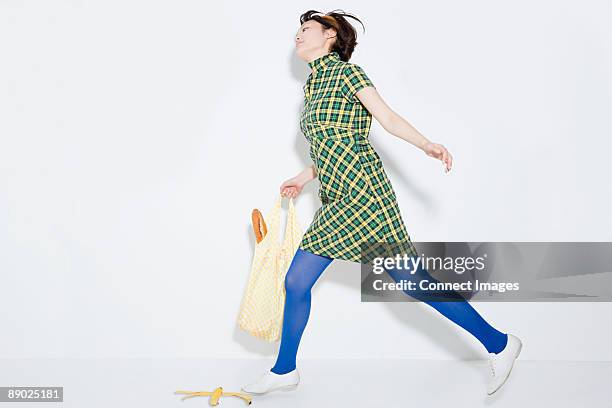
[319,64]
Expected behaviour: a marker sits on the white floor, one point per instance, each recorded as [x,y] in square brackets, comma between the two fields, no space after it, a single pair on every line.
[151,383]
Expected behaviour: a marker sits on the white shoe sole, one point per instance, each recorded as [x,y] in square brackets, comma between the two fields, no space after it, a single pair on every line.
[516,354]
[283,388]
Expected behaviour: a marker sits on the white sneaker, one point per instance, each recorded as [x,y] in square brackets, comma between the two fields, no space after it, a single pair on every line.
[270,381]
[502,362]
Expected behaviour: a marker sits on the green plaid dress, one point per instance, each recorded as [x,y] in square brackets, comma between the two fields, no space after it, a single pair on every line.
[358,201]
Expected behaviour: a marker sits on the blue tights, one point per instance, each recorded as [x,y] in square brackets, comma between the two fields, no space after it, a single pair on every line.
[307,267]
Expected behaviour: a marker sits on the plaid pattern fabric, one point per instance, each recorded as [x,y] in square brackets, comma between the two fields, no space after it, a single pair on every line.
[358,201]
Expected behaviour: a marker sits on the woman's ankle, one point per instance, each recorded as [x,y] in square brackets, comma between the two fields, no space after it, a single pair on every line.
[281,370]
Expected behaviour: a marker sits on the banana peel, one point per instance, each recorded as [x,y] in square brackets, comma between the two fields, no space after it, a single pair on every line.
[215,395]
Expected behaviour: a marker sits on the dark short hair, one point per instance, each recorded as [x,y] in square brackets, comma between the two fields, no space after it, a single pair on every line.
[346,35]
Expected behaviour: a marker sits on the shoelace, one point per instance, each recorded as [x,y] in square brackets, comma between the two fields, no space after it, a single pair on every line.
[492,366]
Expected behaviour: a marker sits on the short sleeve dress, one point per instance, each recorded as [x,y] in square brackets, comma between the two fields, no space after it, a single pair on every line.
[359,205]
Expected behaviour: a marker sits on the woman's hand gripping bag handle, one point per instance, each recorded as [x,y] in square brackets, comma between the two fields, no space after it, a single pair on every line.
[263,303]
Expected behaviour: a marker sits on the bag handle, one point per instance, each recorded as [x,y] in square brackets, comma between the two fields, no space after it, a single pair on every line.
[292,223]
[274,217]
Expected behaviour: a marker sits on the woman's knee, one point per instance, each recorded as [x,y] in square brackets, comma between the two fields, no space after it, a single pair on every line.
[294,285]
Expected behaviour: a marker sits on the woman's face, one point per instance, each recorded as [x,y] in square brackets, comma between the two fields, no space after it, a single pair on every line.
[312,40]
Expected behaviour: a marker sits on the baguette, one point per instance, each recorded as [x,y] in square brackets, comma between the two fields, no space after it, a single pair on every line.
[259,225]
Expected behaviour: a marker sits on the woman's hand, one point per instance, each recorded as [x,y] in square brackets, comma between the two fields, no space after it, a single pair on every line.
[292,187]
[438,151]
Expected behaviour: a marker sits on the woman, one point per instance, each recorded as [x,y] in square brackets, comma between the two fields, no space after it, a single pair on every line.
[358,201]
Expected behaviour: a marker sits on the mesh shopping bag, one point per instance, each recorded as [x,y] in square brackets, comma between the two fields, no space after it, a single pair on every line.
[261,311]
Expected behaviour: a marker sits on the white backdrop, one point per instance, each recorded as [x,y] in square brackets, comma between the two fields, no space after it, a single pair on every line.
[137,136]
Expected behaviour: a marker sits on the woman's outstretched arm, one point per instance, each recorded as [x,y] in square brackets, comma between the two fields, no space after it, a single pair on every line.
[398,126]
